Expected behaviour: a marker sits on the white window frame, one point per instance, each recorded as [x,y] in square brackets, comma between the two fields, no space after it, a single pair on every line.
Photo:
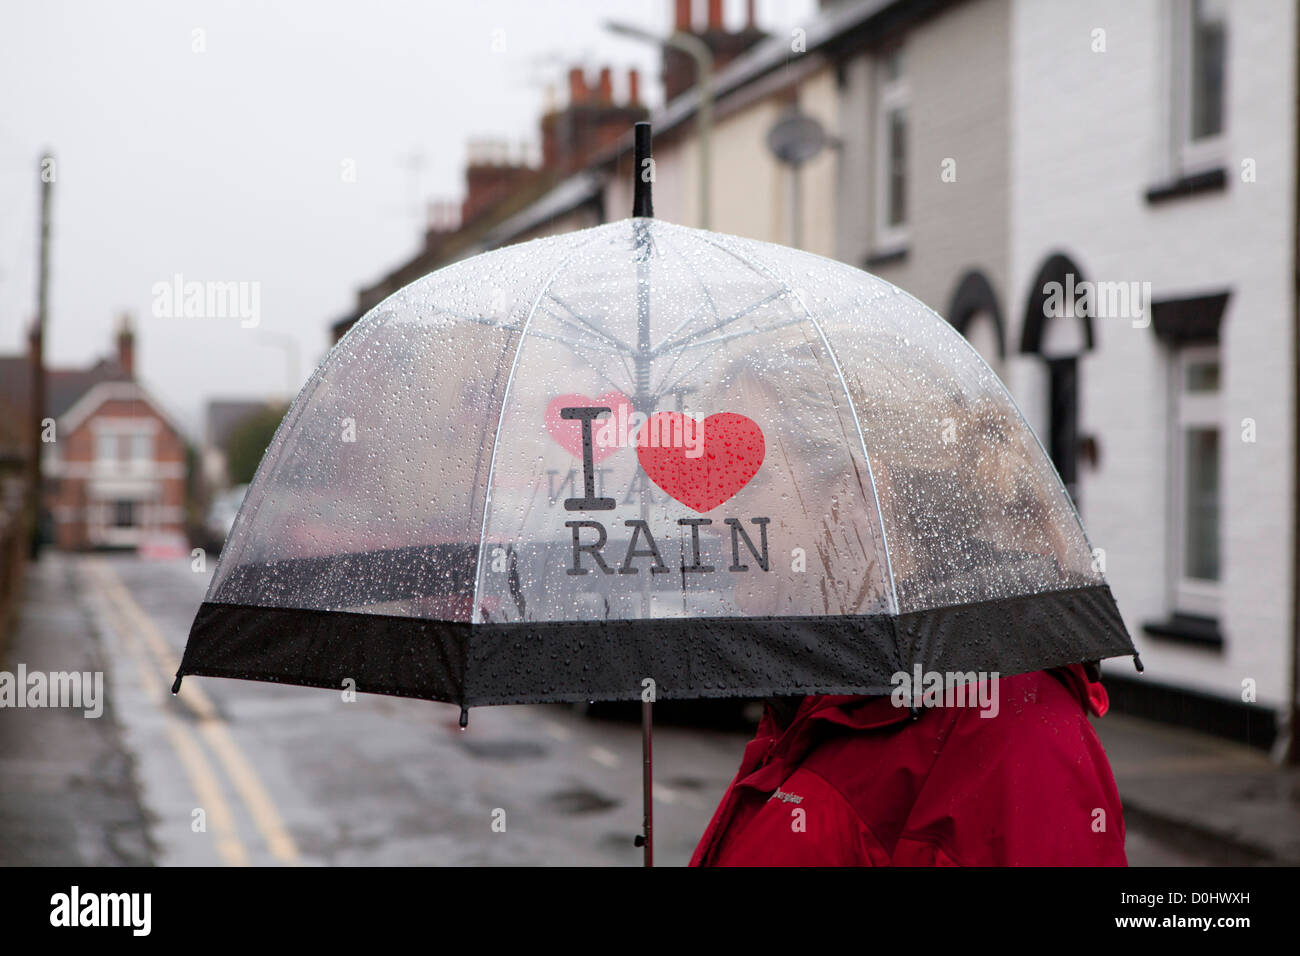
[121,431]
[1193,595]
[1193,156]
[891,94]
[106,440]
[145,437]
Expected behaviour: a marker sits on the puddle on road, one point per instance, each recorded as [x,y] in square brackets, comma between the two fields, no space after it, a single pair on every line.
[502,749]
[580,800]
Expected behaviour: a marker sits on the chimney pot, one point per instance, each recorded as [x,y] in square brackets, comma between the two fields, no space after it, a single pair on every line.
[577,86]
[682,21]
[715,14]
[606,86]
[633,87]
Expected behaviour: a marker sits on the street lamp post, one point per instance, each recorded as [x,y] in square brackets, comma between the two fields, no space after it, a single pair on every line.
[698,51]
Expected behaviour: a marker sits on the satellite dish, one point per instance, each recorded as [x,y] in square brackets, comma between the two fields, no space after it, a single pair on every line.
[796,137]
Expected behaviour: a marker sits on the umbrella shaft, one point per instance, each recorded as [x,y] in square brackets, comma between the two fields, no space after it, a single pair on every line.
[646,777]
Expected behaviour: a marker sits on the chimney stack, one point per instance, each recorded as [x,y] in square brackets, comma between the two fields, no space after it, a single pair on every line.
[126,345]
[593,120]
[492,174]
[679,69]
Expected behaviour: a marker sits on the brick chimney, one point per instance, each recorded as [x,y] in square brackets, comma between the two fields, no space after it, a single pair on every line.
[679,68]
[592,120]
[442,218]
[126,345]
[493,171]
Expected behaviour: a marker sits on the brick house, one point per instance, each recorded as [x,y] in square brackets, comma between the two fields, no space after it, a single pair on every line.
[115,469]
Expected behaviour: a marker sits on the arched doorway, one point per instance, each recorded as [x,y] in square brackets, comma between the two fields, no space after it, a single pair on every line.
[1059,332]
[973,311]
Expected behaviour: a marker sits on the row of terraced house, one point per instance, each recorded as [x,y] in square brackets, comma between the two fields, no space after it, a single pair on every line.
[1101,197]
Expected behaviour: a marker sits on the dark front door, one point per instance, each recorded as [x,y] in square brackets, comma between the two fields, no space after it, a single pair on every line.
[1063,421]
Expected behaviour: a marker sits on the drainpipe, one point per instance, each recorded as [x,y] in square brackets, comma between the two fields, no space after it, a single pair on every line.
[1293,723]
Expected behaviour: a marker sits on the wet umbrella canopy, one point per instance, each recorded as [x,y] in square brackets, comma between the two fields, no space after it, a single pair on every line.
[641,458]
[771,473]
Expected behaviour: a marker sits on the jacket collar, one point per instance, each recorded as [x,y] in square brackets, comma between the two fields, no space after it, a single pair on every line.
[776,751]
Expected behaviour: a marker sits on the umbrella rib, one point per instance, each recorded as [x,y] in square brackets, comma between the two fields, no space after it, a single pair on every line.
[575,346]
[617,343]
[662,346]
[708,301]
[663,388]
[479,319]
[575,343]
[679,352]
[735,335]
[857,424]
[505,395]
[683,323]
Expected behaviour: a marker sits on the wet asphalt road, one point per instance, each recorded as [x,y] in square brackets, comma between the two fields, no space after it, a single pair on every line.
[287,775]
[246,773]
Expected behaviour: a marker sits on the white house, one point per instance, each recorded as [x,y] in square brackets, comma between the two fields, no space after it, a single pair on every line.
[1103,199]
[1155,143]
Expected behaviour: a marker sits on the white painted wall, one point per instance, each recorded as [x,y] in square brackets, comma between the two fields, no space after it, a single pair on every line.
[1089,137]
[956,68]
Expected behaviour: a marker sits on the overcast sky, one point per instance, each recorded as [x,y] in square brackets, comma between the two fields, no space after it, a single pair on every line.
[228,164]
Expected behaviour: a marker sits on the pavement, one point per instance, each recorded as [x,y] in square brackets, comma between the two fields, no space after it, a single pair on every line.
[1215,798]
[246,773]
[68,796]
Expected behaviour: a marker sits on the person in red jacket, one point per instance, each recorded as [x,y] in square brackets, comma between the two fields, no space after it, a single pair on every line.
[861,781]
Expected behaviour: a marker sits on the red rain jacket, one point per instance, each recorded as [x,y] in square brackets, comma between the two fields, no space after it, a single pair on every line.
[1029,786]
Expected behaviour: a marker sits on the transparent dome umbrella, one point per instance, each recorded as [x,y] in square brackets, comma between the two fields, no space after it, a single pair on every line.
[644,462]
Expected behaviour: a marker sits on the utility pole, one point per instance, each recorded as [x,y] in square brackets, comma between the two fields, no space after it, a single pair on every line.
[37,412]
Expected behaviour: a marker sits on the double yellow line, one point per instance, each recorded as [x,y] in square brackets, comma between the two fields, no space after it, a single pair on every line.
[156,664]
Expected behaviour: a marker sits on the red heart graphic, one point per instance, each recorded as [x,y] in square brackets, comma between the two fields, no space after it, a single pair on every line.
[567,432]
[733,450]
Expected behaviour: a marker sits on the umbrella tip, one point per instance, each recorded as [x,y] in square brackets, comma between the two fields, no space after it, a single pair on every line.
[464,717]
[176,684]
[643,173]
[1137,662]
